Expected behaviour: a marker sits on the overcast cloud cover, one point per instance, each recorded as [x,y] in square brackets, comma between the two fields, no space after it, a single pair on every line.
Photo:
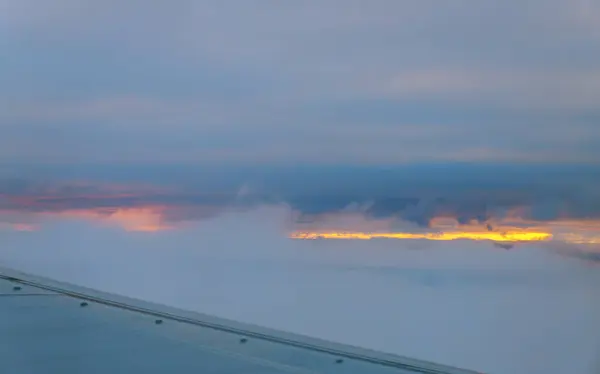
[125,113]
[326,81]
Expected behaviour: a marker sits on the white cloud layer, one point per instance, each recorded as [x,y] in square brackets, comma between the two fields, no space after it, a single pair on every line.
[526,311]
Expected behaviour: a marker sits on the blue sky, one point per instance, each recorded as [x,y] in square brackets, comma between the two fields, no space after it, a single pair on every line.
[329,81]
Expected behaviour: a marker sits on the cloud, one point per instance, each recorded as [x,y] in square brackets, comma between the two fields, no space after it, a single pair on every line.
[504,245]
[197,82]
[419,194]
[506,205]
[463,304]
[512,88]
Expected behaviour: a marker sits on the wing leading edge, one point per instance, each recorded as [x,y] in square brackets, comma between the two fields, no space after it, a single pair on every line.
[50,326]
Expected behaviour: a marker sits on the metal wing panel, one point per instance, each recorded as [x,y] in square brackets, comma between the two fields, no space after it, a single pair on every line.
[48,326]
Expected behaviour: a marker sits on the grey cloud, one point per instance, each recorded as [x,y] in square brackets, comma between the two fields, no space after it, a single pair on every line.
[271,74]
[414,194]
[504,246]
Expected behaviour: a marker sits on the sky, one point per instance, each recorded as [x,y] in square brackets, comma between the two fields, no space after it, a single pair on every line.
[311,82]
[336,168]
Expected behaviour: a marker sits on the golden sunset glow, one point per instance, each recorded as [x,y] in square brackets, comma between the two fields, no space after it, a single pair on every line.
[512,229]
[331,226]
[518,236]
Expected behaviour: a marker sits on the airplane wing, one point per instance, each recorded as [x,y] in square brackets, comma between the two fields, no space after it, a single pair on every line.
[52,327]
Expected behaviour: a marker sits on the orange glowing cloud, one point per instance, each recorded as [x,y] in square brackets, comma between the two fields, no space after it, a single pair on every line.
[23,227]
[438,236]
[332,225]
[18,227]
[513,230]
[145,219]
[142,219]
